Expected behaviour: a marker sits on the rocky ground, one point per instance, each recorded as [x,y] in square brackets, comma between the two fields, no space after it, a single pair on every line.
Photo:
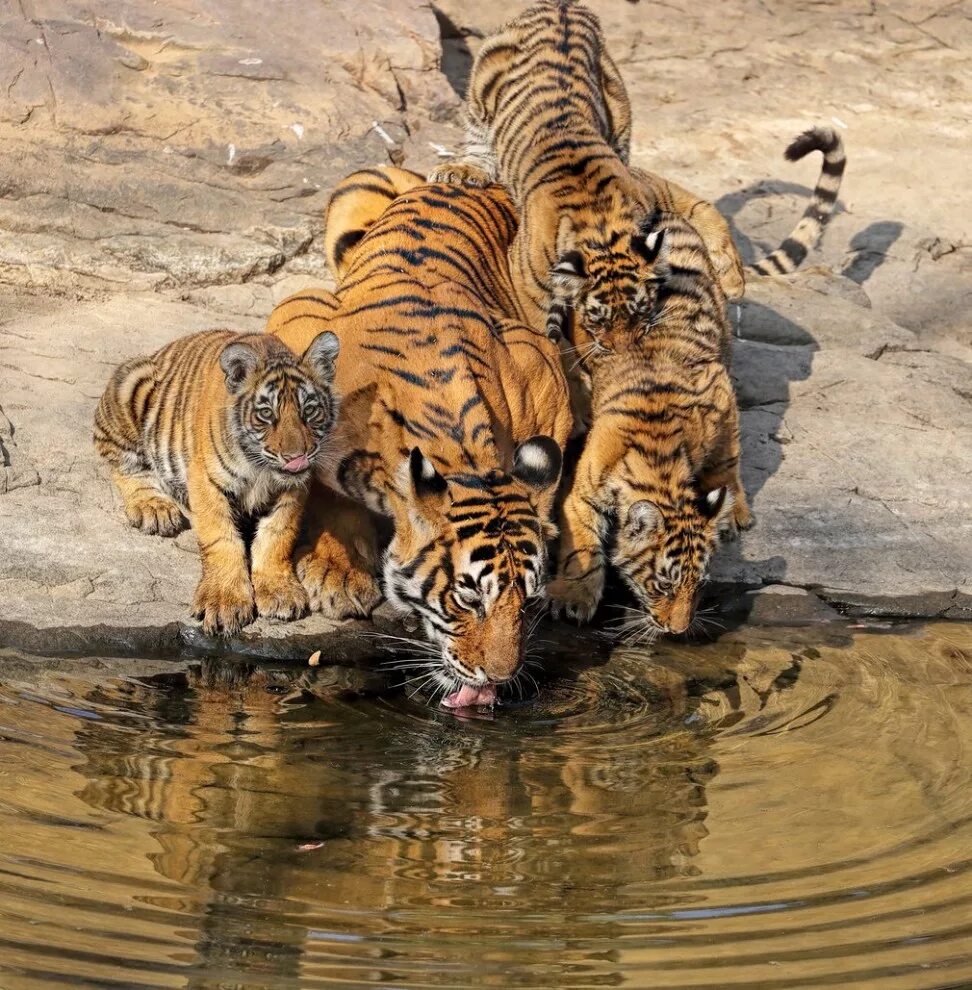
[165,168]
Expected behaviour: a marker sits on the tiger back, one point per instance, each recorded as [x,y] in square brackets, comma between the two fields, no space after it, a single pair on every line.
[453,417]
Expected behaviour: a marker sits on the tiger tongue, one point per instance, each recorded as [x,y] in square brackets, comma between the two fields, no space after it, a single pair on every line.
[297,464]
[468,695]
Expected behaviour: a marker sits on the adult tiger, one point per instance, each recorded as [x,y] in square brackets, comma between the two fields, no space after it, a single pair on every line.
[453,417]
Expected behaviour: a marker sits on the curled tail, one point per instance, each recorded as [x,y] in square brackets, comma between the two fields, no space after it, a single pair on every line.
[791,253]
[356,203]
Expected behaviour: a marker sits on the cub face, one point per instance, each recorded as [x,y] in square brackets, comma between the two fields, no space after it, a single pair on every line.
[662,553]
[284,408]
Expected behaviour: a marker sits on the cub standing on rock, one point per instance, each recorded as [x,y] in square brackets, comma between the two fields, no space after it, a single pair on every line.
[453,418]
[607,255]
[222,426]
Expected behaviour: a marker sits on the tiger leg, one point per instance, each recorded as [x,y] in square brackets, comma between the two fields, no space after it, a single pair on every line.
[278,592]
[224,595]
[146,507]
[582,565]
[339,564]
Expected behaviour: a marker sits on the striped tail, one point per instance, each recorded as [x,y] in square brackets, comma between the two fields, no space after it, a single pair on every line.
[791,253]
[348,217]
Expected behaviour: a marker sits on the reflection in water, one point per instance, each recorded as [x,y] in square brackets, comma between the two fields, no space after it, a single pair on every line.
[768,810]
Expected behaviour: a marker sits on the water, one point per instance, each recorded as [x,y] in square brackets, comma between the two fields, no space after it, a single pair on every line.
[774,809]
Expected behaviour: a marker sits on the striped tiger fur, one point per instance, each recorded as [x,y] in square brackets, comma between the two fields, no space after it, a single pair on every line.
[220,426]
[452,424]
[659,474]
[548,116]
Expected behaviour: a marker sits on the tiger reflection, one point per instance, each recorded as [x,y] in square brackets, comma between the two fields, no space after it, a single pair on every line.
[257,815]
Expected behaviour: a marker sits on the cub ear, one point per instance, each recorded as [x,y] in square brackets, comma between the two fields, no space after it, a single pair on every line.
[321,355]
[537,463]
[649,246]
[238,361]
[642,517]
[568,274]
[712,503]
[426,481]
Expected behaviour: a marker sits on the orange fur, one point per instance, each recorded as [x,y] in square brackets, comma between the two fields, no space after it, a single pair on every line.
[217,425]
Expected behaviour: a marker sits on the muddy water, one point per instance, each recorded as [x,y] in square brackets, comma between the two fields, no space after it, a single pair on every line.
[774,809]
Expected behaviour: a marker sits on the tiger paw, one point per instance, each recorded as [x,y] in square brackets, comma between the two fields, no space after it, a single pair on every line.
[156,513]
[460,174]
[224,608]
[337,590]
[280,597]
[575,598]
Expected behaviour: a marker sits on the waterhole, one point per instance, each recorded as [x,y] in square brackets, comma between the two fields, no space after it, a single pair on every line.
[774,809]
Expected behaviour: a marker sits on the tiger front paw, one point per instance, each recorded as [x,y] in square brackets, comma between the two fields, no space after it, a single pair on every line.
[460,174]
[156,514]
[280,596]
[336,589]
[224,607]
[576,598]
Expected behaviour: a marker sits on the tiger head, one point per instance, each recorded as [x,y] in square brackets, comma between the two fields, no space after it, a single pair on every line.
[284,408]
[605,281]
[469,552]
[662,549]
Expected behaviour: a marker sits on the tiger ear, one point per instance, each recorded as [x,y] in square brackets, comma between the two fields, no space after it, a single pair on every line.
[642,517]
[321,355]
[713,503]
[650,246]
[537,463]
[427,484]
[238,361]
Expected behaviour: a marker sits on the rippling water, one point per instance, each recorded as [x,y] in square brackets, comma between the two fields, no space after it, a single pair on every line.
[774,809]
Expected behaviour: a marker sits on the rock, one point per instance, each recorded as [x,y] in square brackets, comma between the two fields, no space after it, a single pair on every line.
[172,163]
[194,144]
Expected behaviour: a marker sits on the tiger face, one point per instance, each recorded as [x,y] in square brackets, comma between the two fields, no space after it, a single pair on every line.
[469,552]
[609,279]
[662,553]
[284,409]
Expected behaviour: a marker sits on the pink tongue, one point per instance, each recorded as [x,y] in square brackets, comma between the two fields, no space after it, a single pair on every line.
[466,696]
[297,464]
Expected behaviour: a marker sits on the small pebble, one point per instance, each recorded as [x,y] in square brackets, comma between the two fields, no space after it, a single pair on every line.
[314,659]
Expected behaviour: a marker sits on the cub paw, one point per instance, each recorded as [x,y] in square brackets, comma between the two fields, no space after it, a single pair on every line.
[459,174]
[734,523]
[337,590]
[575,598]
[280,597]
[156,514]
[224,609]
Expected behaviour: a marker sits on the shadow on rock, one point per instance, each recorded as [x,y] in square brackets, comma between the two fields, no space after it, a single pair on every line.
[731,204]
[869,248]
[456,56]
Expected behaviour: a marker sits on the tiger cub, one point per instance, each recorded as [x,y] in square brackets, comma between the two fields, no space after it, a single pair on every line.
[453,418]
[221,425]
[659,474]
[548,116]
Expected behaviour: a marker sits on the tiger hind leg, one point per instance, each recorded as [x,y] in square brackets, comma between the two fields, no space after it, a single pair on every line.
[146,507]
[338,563]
